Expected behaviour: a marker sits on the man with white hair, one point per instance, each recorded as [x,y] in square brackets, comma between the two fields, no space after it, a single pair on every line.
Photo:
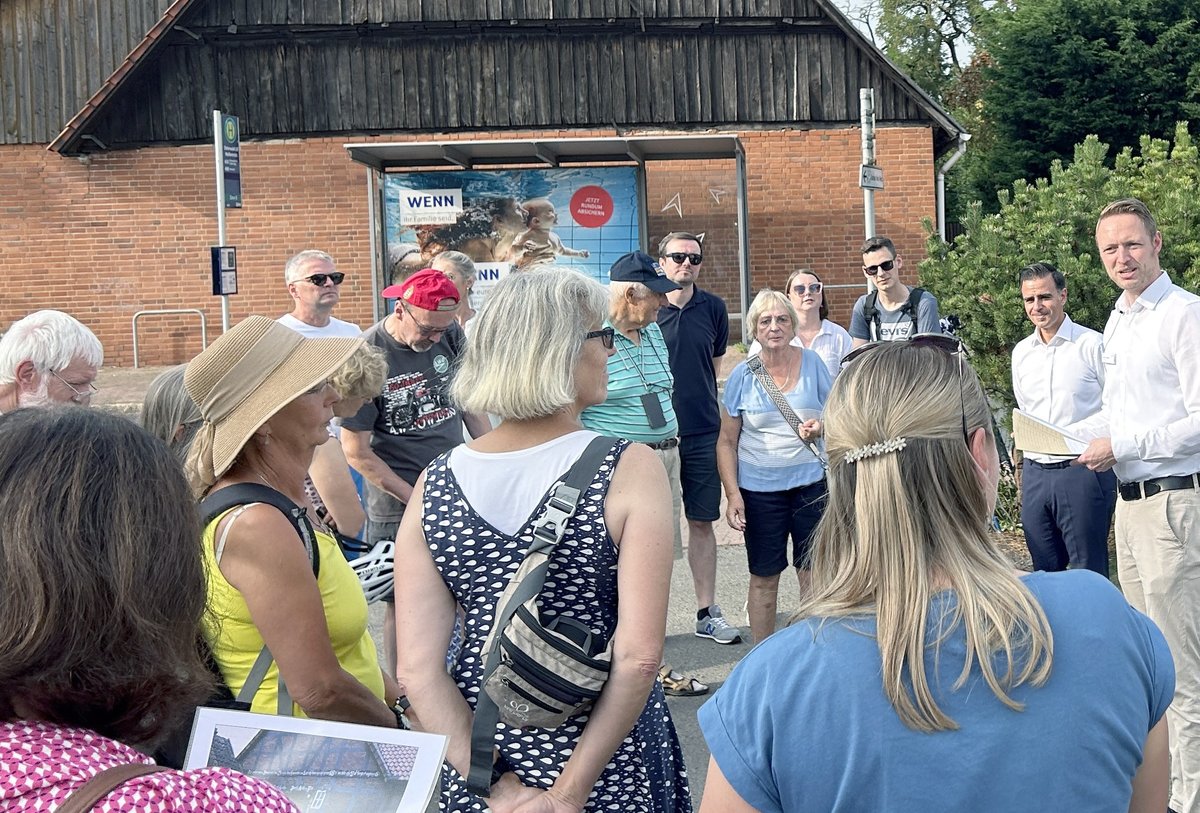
[48,358]
[314,283]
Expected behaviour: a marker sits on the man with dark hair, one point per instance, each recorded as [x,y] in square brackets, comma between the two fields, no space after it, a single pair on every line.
[1152,409]
[1058,377]
[695,325]
[893,311]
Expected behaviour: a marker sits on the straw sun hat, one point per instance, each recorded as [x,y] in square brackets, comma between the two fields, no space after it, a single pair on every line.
[245,377]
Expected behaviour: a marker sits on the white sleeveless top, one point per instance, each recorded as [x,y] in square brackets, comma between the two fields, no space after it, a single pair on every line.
[506,487]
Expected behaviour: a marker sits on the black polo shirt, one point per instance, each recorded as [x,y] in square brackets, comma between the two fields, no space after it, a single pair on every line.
[695,334]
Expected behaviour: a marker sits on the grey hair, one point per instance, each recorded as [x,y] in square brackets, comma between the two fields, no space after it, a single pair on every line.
[454,261]
[617,289]
[766,299]
[525,343]
[49,339]
[291,269]
[169,413]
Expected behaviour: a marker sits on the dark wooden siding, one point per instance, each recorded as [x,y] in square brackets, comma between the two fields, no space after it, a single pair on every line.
[54,54]
[464,81]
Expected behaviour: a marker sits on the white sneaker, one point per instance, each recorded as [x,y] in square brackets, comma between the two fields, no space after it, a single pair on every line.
[716,628]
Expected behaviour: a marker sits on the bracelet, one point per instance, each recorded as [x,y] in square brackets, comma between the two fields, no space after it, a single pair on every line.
[398,708]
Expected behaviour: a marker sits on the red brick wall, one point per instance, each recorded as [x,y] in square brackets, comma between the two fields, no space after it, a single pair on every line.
[129,231]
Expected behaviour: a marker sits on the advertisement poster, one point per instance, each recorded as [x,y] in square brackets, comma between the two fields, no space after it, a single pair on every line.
[515,220]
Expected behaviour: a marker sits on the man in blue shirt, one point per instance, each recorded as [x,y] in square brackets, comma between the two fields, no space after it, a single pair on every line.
[695,325]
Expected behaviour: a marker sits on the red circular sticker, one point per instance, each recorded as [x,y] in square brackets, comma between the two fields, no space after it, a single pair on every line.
[591,206]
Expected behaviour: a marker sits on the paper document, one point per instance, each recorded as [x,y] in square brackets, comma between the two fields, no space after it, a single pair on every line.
[321,765]
[1032,434]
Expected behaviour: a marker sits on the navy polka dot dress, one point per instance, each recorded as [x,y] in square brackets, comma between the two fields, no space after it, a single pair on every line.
[647,772]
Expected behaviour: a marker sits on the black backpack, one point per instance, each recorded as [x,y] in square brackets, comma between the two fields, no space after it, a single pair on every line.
[173,749]
[871,311]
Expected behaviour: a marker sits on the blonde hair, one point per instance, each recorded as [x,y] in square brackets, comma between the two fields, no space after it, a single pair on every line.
[363,374]
[766,299]
[525,342]
[901,526]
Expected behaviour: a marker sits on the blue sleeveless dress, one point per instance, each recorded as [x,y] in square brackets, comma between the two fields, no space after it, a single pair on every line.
[647,772]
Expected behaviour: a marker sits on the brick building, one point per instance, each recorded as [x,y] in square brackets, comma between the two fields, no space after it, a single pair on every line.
[109,170]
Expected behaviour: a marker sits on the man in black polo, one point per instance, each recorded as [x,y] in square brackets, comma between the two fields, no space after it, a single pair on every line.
[695,325]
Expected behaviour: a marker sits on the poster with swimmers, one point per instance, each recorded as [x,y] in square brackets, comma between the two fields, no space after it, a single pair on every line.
[515,220]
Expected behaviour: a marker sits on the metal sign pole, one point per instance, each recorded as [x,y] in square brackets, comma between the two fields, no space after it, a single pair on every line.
[866,107]
[219,159]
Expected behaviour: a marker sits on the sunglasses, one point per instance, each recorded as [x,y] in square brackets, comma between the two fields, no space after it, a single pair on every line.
[678,257]
[812,288]
[949,345]
[604,334]
[320,279]
[886,265]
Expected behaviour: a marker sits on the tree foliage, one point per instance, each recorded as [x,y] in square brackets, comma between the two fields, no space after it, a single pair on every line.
[930,40]
[1054,220]
[1064,69]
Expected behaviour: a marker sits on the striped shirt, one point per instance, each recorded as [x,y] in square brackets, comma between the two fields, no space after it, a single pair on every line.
[635,370]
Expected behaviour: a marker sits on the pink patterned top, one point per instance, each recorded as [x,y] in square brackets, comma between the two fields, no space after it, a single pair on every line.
[43,763]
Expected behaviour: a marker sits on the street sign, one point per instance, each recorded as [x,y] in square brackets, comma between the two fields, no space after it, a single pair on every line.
[231,161]
[870,177]
[224,270]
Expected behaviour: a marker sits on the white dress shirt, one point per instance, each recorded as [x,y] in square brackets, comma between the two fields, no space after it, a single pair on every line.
[1152,387]
[1060,381]
[831,343]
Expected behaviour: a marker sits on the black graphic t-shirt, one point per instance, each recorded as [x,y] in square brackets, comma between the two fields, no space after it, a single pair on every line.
[413,420]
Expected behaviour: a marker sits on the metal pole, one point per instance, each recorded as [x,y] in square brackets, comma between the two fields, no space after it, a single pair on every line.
[743,209]
[866,111]
[218,153]
[377,243]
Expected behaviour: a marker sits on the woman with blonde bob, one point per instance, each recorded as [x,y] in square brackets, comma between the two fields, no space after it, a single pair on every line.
[537,357]
[923,672]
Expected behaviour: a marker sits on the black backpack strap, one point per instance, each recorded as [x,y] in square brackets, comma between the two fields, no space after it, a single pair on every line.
[549,528]
[914,300]
[871,314]
[217,503]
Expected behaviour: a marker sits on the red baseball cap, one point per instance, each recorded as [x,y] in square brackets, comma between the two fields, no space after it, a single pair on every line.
[428,289]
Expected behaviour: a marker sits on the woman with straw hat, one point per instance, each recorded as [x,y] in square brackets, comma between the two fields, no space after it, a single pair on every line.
[264,393]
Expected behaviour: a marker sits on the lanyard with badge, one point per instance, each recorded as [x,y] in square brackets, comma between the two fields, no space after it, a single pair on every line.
[651,405]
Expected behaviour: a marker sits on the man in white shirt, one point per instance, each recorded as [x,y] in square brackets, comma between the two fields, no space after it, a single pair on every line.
[1058,376]
[1152,405]
[315,285]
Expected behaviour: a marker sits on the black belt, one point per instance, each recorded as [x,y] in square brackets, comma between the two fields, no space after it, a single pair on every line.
[669,443]
[1061,464]
[1148,488]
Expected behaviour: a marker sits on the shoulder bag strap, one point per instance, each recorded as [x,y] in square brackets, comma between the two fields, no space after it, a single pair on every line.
[221,501]
[781,403]
[84,797]
[548,530]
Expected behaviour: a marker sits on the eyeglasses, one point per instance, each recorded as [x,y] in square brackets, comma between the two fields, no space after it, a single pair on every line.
[949,345]
[425,330]
[678,257]
[604,334]
[79,397]
[783,320]
[812,288]
[320,279]
[886,265]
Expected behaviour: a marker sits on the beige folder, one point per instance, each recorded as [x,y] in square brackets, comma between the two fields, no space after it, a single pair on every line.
[1032,434]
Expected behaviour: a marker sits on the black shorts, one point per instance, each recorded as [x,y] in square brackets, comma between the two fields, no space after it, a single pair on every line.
[773,516]
[699,478]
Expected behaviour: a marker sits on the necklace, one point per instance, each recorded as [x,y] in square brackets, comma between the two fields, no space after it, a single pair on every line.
[787,381]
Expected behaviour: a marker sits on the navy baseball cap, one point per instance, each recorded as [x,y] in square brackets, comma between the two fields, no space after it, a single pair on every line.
[640,267]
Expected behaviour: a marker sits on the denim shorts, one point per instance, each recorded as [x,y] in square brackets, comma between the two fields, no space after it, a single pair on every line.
[773,516]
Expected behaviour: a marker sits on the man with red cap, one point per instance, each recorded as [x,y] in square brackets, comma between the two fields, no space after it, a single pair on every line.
[396,435]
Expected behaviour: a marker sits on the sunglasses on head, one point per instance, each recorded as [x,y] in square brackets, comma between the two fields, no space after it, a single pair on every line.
[604,334]
[319,279]
[812,288]
[678,257]
[949,345]
[886,265]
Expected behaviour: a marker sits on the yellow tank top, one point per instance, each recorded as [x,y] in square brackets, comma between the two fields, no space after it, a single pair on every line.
[235,640]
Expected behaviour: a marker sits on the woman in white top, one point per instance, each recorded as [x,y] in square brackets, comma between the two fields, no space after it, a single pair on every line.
[538,356]
[827,339]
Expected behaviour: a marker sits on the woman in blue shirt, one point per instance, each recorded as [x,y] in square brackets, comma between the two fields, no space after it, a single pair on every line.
[767,454]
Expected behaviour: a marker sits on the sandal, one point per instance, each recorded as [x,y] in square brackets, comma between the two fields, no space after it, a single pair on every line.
[677,685]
